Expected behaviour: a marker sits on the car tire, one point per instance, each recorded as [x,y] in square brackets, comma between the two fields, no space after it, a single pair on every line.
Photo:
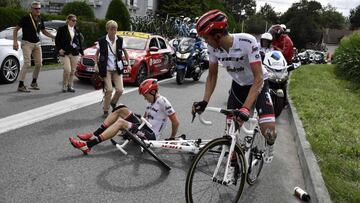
[9,70]
[141,75]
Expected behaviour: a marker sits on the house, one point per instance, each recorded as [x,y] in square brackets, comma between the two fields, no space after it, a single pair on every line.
[135,7]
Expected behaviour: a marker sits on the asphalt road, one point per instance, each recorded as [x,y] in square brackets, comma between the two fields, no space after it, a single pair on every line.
[37,163]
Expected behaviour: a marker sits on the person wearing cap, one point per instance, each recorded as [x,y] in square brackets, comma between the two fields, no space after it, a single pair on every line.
[31,25]
[239,55]
[158,111]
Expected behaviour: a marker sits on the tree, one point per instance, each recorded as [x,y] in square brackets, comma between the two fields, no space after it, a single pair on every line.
[117,11]
[241,9]
[10,3]
[304,19]
[256,24]
[189,8]
[269,14]
[355,18]
[331,18]
[80,9]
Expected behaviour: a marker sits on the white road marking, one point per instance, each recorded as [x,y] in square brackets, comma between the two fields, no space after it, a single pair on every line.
[51,110]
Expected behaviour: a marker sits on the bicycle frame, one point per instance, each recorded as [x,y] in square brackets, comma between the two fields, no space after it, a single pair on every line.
[235,135]
[181,144]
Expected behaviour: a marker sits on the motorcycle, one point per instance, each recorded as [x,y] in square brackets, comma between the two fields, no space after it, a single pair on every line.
[278,71]
[190,61]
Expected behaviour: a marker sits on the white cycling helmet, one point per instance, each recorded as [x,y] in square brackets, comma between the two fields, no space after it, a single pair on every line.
[267,36]
[193,33]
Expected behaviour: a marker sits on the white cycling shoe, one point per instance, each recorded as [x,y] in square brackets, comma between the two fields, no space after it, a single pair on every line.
[269,153]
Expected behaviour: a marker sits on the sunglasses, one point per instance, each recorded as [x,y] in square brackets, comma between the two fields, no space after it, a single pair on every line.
[74,20]
[36,8]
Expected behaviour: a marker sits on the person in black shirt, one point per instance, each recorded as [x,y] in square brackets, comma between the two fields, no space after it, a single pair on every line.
[31,25]
[68,44]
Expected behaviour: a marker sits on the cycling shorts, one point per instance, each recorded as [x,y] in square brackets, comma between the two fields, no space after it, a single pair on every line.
[263,104]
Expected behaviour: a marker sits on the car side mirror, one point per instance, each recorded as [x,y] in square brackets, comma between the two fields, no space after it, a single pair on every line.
[154,49]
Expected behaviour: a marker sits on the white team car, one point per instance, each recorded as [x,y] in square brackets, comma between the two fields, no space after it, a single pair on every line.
[10,61]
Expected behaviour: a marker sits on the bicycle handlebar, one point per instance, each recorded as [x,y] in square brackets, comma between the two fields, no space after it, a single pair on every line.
[225,112]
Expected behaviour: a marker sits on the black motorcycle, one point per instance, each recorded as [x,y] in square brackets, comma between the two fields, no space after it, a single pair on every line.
[190,61]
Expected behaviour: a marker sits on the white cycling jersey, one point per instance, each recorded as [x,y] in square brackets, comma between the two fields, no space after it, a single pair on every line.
[157,114]
[244,51]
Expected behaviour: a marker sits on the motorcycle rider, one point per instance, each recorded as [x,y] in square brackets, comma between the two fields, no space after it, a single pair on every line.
[239,55]
[265,44]
[282,42]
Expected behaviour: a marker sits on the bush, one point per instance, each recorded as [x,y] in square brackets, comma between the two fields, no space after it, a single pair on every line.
[347,57]
[91,31]
[10,17]
[80,9]
[117,11]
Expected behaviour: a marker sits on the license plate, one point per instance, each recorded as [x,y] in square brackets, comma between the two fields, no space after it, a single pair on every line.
[90,69]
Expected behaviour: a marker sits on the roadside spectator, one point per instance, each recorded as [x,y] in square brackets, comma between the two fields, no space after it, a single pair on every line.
[68,43]
[31,25]
[110,66]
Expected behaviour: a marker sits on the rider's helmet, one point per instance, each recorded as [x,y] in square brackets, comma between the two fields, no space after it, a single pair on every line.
[196,19]
[276,31]
[148,85]
[266,37]
[187,19]
[211,20]
[193,33]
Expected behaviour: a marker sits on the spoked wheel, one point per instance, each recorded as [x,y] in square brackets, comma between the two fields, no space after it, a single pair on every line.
[256,160]
[138,141]
[203,184]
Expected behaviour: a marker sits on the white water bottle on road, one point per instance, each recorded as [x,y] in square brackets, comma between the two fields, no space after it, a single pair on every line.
[301,194]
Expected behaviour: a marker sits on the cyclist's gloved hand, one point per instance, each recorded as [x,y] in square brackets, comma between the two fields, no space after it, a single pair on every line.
[198,107]
[242,114]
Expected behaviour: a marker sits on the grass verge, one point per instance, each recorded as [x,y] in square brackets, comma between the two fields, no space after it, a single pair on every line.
[329,108]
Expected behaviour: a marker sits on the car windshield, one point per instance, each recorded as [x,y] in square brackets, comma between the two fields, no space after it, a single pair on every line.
[134,43]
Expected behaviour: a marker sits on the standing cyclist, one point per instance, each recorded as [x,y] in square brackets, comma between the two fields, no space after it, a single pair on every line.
[239,54]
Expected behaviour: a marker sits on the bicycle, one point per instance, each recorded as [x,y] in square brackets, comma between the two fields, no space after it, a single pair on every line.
[130,136]
[179,144]
[222,165]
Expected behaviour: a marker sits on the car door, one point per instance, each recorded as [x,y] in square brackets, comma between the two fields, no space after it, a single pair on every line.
[165,55]
[155,57]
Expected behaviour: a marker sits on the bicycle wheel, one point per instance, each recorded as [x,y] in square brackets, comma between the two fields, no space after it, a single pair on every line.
[138,141]
[256,160]
[200,184]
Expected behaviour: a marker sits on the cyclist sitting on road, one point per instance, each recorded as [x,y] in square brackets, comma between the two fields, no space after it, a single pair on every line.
[158,109]
[239,54]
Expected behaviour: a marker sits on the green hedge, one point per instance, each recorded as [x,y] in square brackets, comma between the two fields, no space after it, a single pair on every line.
[117,11]
[10,17]
[347,57]
[92,31]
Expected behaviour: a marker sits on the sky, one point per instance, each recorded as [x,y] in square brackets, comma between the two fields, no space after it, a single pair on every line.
[342,6]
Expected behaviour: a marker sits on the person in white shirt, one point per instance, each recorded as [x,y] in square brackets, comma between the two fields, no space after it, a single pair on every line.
[158,111]
[239,55]
[110,49]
